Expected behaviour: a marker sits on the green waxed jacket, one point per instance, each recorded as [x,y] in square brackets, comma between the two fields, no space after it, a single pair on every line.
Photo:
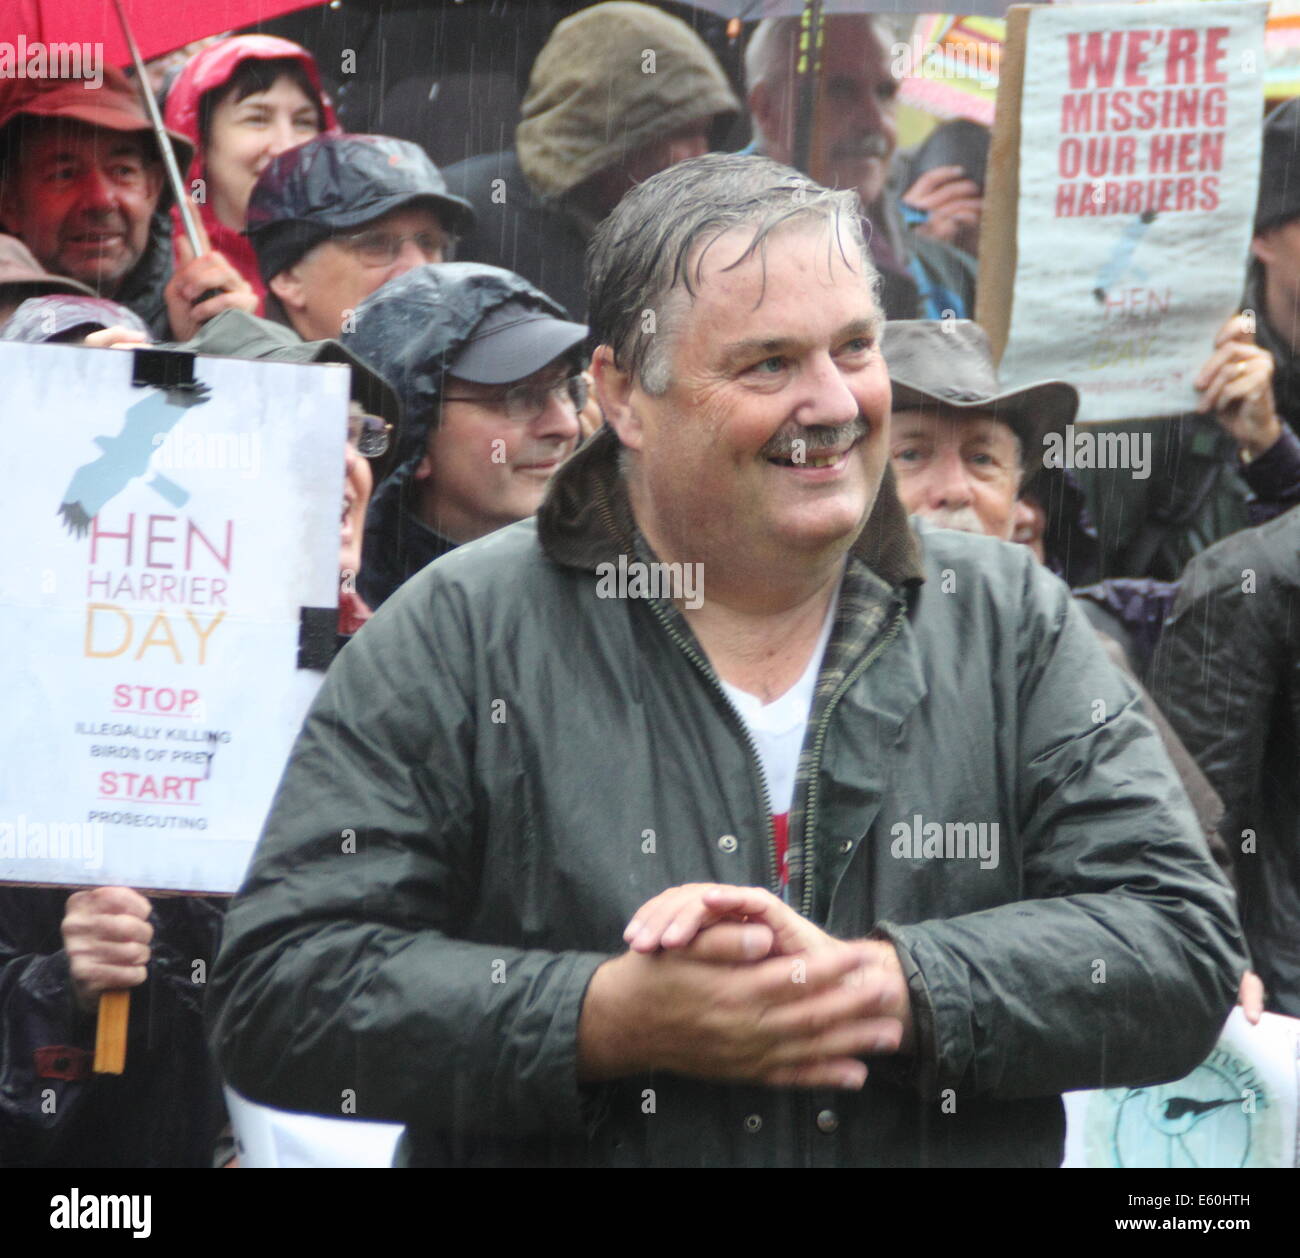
[463,832]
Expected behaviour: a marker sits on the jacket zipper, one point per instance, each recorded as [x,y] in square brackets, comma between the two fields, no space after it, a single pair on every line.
[756,776]
[807,838]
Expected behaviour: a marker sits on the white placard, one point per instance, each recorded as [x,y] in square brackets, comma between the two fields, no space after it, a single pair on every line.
[1138,175]
[274,1139]
[1236,1109]
[156,556]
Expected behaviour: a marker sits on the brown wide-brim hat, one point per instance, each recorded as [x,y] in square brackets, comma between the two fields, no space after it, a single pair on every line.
[23,276]
[949,363]
[115,105]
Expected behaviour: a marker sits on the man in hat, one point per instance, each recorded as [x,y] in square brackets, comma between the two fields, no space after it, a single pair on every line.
[961,444]
[972,455]
[81,183]
[334,219]
[620,91]
[969,455]
[489,374]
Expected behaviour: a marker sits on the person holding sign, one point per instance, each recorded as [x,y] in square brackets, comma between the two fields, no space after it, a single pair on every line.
[58,954]
[1272,300]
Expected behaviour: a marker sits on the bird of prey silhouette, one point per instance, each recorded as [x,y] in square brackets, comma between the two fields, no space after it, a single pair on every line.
[127,456]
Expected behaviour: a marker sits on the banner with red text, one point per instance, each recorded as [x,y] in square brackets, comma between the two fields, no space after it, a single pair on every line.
[1138,169]
[159,546]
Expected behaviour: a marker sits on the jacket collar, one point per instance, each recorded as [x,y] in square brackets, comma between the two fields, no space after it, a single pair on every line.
[586,518]
[142,288]
[397,543]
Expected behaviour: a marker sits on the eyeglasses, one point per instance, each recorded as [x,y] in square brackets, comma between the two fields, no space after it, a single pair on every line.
[525,402]
[368,433]
[380,248]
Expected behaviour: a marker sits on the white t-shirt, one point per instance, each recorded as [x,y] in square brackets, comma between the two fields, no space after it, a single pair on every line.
[777,728]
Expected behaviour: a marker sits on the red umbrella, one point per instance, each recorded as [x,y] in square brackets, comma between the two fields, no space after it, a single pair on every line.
[159,25]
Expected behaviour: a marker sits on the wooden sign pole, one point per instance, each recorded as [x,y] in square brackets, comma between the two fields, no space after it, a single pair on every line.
[997,260]
[110,1032]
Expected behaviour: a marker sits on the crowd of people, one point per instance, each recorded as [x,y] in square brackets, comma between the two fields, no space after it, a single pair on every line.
[606,347]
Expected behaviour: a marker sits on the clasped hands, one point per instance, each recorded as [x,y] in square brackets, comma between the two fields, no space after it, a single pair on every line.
[730,983]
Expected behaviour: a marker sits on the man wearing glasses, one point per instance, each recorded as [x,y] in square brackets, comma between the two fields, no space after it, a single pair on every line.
[341,215]
[490,379]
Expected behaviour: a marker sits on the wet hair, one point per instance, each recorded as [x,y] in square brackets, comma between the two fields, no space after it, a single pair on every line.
[254,75]
[770,53]
[639,269]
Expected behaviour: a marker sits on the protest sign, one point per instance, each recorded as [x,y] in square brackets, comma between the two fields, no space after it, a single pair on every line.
[1236,1109]
[274,1139]
[163,548]
[1121,191]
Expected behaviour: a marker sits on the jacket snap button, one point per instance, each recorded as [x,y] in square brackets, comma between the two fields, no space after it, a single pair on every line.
[828,1121]
[754,1122]
[728,843]
[846,847]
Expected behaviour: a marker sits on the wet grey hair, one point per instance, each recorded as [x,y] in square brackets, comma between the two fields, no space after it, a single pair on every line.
[643,266]
[770,53]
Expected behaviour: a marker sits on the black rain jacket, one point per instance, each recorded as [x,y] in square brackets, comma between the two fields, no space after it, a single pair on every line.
[501,743]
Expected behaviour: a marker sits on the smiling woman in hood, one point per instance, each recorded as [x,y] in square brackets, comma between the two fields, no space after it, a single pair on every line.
[242,101]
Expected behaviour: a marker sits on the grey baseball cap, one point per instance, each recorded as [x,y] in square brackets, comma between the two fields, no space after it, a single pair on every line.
[514,341]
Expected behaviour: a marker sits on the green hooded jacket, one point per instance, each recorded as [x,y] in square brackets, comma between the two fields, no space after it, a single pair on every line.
[503,766]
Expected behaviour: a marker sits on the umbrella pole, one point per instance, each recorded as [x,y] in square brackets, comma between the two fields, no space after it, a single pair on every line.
[808,58]
[161,136]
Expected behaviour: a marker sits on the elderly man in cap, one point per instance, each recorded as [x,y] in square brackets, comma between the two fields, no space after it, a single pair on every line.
[489,374]
[646,872]
[81,184]
[335,218]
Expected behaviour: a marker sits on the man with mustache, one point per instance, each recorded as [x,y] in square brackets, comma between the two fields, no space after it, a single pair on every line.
[565,802]
[961,445]
[81,184]
[853,145]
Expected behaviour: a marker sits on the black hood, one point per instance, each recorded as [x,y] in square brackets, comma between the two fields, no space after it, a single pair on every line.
[408,330]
